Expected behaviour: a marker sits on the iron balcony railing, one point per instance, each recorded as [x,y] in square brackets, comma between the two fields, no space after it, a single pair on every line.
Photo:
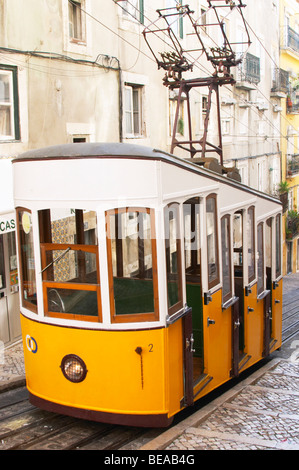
[280,82]
[249,70]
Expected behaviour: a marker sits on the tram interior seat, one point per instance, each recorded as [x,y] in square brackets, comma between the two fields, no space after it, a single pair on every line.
[77,302]
[133,295]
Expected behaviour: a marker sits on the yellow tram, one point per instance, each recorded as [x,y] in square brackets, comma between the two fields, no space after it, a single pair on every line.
[146,280]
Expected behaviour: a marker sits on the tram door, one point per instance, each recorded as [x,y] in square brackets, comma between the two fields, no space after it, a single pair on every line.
[193,284]
[238,341]
[268,301]
[216,320]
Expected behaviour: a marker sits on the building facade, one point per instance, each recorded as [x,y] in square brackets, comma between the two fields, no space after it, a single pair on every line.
[81,71]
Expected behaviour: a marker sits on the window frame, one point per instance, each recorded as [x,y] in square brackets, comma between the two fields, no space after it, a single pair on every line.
[229,294]
[70,285]
[132,317]
[134,14]
[12,71]
[251,270]
[204,109]
[178,26]
[76,6]
[172,309]
[132,87]
[213,282]
[25,303]
[47,245]
[261,260]
[238,252]
[193,265]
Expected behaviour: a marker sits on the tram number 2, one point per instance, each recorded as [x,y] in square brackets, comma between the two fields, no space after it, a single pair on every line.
[150,348]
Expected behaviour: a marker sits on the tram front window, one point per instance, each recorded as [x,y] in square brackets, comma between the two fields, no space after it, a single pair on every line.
[132,265]
[212,241]
[28,282]
[69,255]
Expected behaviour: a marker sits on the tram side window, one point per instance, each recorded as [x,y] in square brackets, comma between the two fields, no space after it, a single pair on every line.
[74,226]
[238,244]
[132,265]
[70,271]
[173,258]
[260,261]
[268,252]
[226,258]
[251,244]
[191,238]
[27,261]
[278,246]
[212,241]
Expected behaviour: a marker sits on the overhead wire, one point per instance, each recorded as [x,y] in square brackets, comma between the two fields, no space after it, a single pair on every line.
[203,68]
[251,105]
[195,61]
[200,66]
[45,69]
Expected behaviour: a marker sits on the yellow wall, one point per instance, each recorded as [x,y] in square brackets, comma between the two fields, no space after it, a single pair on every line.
[289,61]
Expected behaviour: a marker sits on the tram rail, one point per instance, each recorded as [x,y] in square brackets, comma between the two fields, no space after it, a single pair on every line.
[290,320]
[24,427]
[290,332]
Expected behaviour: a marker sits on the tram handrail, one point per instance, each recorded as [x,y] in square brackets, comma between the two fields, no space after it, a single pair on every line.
[56,259]
[176,316]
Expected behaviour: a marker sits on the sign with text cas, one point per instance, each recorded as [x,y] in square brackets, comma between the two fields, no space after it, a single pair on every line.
[7,223]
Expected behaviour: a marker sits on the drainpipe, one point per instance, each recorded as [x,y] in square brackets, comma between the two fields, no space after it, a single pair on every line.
[120,103]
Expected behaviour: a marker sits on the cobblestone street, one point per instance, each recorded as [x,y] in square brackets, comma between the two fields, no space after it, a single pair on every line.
[263,415]
[13,368]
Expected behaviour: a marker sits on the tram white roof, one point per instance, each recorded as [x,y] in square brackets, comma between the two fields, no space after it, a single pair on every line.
[85,150]
[128,151]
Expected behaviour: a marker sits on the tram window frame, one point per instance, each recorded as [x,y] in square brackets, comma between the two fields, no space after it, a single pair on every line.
[30,305]
[227,286]
[171,209]
[115,261]
[10,102]
[269,251]
[251,237]
[192,249]
[278,259]
[2,265]
[82,254]
[238,243]
[260,259]
[213,278]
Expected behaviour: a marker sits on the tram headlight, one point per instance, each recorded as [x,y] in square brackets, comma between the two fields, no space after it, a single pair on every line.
[73,368]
